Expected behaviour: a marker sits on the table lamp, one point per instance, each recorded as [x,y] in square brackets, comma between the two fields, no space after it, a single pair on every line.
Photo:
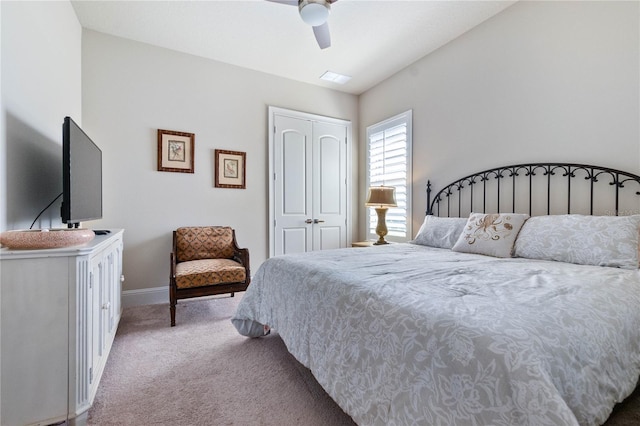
[381,197]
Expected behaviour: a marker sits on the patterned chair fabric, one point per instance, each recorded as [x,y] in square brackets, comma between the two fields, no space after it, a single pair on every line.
[196,273]
[205,242]
[206,260]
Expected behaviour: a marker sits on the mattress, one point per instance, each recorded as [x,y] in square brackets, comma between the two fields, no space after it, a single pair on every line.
[406,334]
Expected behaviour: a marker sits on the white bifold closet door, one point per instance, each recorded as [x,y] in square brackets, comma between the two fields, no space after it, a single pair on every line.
[309,190]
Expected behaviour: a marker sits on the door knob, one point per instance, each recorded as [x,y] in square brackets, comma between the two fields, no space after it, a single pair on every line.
[318,221]
[308,221]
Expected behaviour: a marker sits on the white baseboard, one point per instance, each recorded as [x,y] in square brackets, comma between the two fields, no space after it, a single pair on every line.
[150,296]
[145,296]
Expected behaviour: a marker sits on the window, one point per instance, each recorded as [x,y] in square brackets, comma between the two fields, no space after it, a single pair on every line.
[389,164]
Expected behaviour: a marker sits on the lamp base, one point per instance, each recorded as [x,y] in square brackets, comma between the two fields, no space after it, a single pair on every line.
[381,229]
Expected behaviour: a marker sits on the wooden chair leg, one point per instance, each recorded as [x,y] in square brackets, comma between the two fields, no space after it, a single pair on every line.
[173,299]
[232,294]
[172,308]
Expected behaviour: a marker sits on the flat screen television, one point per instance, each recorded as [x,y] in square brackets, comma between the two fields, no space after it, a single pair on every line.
[81,176]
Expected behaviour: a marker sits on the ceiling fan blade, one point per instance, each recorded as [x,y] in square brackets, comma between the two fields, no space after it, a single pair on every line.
[322,35]
[288,2]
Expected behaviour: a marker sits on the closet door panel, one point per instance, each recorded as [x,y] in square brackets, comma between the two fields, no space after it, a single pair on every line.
[292,200]
[329,186]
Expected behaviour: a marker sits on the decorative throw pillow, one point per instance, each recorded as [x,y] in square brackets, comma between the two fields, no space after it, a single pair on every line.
[585,240]
[440,232]
[490,234]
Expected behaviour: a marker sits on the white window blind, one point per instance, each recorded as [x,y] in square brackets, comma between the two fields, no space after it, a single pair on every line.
[389,164]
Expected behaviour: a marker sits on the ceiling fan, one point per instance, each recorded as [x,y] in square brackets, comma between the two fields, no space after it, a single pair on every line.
[314,13]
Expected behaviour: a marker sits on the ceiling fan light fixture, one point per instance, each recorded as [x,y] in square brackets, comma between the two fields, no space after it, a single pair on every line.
[314,13]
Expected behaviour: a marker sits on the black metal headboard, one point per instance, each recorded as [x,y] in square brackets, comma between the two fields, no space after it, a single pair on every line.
[540,188]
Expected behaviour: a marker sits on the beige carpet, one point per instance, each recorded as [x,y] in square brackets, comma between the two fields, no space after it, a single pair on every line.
[201,372]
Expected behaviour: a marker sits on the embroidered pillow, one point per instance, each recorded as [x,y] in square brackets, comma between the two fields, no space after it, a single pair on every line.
[490,234]
[585,240]
[440,232]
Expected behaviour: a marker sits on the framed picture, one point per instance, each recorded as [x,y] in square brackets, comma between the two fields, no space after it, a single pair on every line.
[175,151]
[230,169]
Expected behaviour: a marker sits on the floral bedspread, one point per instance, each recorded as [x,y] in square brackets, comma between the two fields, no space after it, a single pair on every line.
[410,335]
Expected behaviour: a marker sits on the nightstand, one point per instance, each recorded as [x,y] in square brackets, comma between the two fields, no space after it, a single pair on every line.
[366,244]
[362,244]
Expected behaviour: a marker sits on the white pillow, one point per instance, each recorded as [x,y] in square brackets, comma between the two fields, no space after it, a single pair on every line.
[490,234]
[440,232]
[585,240]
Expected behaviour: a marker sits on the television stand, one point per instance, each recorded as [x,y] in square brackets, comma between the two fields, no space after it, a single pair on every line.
[60,309]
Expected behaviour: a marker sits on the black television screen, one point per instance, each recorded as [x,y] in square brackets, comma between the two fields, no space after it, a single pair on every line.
[81,176]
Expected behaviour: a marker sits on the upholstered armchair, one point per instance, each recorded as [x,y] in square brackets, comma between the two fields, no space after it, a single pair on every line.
[206,260]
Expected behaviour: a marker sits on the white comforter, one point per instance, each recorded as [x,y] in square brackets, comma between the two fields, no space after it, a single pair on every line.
[405,334]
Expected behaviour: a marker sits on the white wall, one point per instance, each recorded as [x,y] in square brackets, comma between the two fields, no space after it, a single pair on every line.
[541,81]
[41,83]
[132,89]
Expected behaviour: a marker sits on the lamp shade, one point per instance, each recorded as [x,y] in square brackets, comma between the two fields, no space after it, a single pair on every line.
[381,196]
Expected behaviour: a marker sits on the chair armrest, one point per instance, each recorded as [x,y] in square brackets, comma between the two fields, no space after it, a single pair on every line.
[241,255]
[172,272]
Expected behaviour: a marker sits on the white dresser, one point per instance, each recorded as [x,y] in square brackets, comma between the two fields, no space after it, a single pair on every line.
[60,309]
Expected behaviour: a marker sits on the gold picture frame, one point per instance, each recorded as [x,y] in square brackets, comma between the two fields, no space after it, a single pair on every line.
[175,151]
[230,169]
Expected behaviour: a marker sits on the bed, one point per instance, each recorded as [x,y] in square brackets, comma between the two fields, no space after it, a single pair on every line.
[501,319]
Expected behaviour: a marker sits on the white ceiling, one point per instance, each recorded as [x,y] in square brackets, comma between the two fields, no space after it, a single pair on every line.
[371,39]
